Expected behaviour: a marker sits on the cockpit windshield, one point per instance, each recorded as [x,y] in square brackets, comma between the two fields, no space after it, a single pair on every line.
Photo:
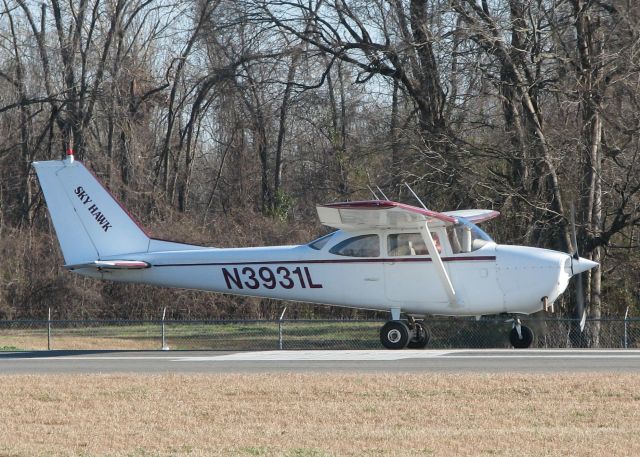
[465,236]
[320,242]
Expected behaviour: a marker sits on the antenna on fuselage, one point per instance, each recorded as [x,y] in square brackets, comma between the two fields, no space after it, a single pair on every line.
[380,190]
[415,195]
[373,193]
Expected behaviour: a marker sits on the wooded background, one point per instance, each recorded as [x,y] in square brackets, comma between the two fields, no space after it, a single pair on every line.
[224,123]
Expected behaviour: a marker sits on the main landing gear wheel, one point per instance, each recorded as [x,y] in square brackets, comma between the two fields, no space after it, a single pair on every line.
[523,340]
[420,337]
[394,335]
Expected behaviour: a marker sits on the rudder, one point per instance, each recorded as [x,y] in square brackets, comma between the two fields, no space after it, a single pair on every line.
[88,220]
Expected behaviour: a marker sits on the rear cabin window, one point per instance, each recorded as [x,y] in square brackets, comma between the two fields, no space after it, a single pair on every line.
[358,246]
[400,244]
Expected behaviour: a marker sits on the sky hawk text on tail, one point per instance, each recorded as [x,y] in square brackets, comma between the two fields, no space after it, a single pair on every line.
[384,256]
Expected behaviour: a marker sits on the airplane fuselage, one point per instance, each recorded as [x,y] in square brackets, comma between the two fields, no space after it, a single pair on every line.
[493,279]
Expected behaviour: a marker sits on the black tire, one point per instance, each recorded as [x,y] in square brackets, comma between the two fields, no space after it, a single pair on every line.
[394,335]
[421,338]
[527,337]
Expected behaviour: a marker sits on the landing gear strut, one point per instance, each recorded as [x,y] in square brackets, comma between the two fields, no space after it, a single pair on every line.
[398,334]
[520,336]
[420,337]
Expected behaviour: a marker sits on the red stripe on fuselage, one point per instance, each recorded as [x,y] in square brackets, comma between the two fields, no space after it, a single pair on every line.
[358,260]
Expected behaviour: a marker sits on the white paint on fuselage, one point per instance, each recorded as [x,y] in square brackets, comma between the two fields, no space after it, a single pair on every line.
[526,275]
[493,279]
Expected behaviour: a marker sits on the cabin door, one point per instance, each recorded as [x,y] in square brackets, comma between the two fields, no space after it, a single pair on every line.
[410,276]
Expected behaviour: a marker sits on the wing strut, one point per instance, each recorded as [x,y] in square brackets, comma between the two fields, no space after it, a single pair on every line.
[437,262]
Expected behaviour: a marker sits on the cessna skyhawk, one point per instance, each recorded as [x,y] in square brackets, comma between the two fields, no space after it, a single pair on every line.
[384,256]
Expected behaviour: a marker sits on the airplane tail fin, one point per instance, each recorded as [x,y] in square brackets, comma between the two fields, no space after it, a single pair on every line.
[89,221]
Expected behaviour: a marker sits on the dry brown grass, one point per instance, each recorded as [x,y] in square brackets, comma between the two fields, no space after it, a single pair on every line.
[320,414]
[39,343]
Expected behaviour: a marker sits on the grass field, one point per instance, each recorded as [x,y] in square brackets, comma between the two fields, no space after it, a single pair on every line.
[104,337]
[320,415]
[180,336]
[238,336]
[256,335]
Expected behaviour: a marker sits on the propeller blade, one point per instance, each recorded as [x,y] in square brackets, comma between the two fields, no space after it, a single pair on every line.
[574,237]
[578,265]
[583,321]
[580,311]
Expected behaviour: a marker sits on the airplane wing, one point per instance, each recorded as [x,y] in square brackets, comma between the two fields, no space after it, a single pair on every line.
[378,214]
[387,214]
[474,215]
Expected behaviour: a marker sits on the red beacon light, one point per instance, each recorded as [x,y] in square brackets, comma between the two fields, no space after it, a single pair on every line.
[69,155]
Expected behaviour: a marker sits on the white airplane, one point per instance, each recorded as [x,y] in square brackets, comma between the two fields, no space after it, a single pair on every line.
[384,256]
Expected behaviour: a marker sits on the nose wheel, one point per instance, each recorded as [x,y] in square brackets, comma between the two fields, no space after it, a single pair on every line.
[520,336]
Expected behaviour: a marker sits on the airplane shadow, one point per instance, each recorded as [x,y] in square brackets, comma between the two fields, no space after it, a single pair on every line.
[55,353]
[8,355]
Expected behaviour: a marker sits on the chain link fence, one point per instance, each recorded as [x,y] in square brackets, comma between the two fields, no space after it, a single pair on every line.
[446,333]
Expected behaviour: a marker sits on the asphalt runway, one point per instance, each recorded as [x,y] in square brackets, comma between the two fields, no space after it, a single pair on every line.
[374,361]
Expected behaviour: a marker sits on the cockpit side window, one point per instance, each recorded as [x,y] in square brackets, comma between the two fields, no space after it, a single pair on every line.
[400,244]
[358,246]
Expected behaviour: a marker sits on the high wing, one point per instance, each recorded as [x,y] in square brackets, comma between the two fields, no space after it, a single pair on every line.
[378,214]
[385,214]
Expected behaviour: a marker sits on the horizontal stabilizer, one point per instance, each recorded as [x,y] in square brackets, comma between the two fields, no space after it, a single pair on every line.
[111,265]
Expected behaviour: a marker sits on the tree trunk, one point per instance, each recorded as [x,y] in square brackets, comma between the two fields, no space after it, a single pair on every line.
[395,140]
[282,129]
[338,134]
[590,46]
[26,193]
[431,97]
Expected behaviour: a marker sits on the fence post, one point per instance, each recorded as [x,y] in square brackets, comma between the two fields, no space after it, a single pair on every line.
[164,342]
[49,330]
[626,322]
[280,322]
